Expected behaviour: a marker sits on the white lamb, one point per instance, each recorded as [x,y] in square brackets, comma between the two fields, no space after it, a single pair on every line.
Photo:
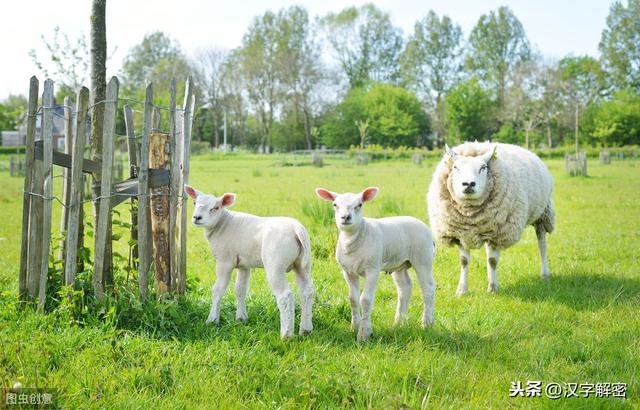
[486,194]
[242,241]
[367,246]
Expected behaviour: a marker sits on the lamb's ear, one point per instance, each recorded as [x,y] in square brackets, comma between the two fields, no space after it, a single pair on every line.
[491,154]
[449,154]
[228,200]
[193,193]
[369,193]
[325,194]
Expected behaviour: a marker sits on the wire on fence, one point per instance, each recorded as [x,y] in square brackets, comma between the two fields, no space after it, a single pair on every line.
[113,194]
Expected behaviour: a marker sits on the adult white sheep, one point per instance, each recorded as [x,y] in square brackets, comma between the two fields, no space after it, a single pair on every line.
[367,246]
[486,194]
[243,241]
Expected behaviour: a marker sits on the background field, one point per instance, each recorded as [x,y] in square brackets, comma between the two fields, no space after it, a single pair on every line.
[581,326]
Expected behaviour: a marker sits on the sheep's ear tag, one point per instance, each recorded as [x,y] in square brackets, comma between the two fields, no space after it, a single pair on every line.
[495,153]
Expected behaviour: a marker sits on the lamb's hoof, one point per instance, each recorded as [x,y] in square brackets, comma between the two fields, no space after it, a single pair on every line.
[305,332]
[493,288]
[286,336]
[355,325]
[427,322]
[364,334]
[214,321]
[461,292]
[545,275]
[241,319]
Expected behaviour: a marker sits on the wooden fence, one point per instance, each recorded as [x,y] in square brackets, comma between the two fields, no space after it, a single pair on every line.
[158,170]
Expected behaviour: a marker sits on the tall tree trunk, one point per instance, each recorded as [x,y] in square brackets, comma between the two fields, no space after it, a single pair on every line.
[577,131]
[549,141]
[98,94]
[216,130]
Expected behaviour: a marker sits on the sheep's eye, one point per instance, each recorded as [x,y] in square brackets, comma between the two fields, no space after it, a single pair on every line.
[456,168]
[358,206]
[482,168]
[334,205]
[215,208]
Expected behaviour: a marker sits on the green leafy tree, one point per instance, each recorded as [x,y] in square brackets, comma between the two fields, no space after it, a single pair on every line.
[583,79]
[394,116]
[11,111]
[469,111]
[620,44]
[616,121]
[497,44]
[366,44]
[431,62]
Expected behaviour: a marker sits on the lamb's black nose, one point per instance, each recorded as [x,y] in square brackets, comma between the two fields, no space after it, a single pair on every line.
[197,218]
[469,184]
[346,218]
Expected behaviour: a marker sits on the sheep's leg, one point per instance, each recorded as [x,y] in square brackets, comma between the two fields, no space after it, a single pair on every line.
[542,246]
[284,298]
[493,256]
[241,289]
[223,277]
[465,257]
[366,302]
[354,298]
[424,275]
[403,285]
[305,287]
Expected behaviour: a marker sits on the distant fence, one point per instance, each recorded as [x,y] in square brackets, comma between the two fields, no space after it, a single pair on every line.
[158,170]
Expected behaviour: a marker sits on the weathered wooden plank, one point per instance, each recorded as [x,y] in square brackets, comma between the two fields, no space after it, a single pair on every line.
[143,198]
[76,188]
[175,186]
[186,142]
[28,182]
[66,173]
[133,173]
[64,160]
[102,230]
[47,174]
[159,157]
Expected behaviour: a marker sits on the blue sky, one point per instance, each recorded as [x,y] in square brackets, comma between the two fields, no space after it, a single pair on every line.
[555,27]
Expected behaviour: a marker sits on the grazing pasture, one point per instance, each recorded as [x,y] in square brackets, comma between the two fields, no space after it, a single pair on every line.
[582,326]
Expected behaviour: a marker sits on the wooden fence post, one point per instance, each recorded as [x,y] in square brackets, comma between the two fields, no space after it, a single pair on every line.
[28,186]
[186,141]
[35,225]
[174,187]
[66,175]
[159,158]
[102,230]
[143,198]
[133,173]
[47,170]
[76,180]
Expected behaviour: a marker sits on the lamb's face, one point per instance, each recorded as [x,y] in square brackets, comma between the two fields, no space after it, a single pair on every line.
[469,174]
[347,207]
[208,208]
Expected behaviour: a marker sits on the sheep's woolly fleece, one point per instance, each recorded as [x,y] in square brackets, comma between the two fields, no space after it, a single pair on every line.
[518,193]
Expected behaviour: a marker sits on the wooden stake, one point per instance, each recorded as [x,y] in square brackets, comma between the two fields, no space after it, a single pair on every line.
[159,158]
[143,198]
[28,183]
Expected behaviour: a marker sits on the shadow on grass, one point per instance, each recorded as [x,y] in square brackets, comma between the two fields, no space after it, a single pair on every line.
[580,291]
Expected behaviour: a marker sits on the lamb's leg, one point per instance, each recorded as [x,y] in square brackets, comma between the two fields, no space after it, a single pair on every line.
[223,277]
[366,302]
[241,288]
[465,257]
[284,297]
[354,298]
[493,256]
[424,275]
[305,287]
[403,285]
[542,245]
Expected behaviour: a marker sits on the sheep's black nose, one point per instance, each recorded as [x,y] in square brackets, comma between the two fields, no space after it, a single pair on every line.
[469,184]
[197,218]
[346,218]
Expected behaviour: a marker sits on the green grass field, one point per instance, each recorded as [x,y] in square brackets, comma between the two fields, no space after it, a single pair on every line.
[582,326]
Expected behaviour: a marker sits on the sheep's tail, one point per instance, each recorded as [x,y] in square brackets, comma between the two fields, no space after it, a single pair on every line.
[305,244]
[548,218]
